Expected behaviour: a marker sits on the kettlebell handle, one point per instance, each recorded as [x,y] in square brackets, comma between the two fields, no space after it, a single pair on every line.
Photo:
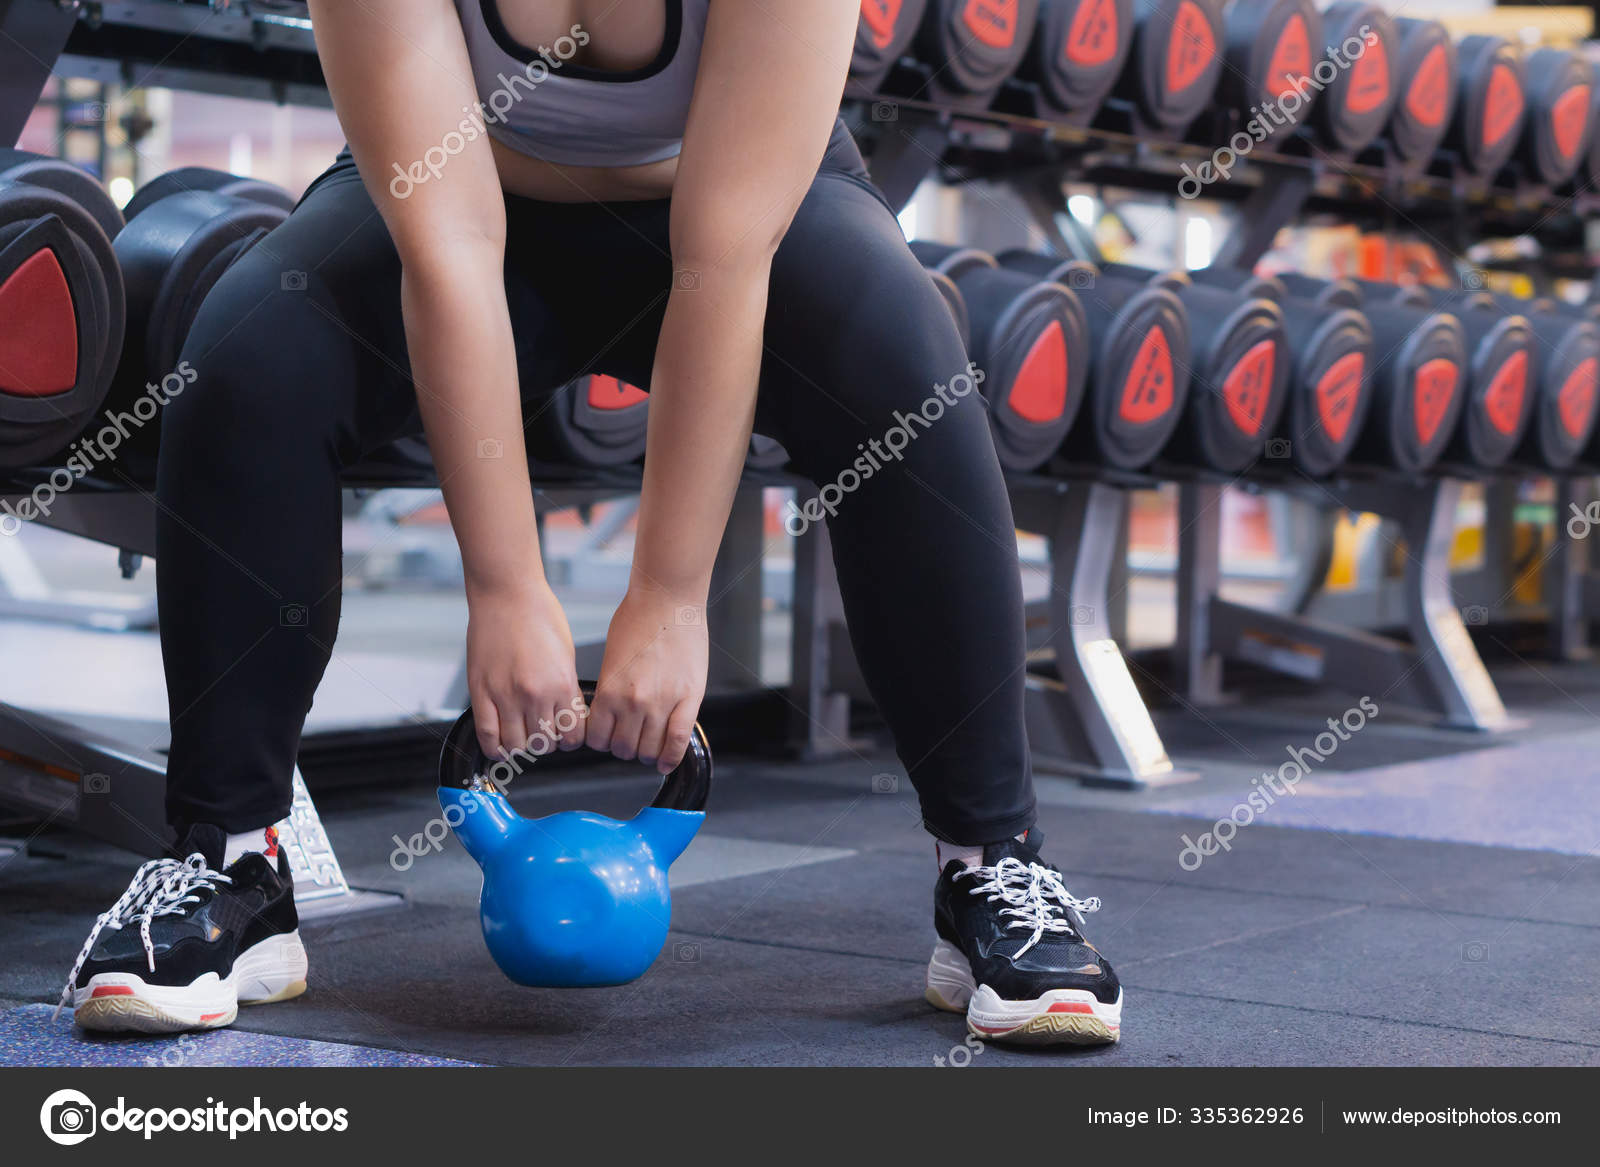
[462,763]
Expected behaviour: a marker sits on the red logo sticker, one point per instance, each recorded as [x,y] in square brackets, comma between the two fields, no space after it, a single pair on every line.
[1502,109]
[1337,394]
[1147,393]
[1291,58]
[1191,49]
[1092,37]
[880,17]
[1575,402]
[1428,99]
[1502,401]
[610,393]
[994,22]
[1249,386]
[39,344]
[1369,77]
[1432,392]
[1569,118]
[270,850]
[1039,393]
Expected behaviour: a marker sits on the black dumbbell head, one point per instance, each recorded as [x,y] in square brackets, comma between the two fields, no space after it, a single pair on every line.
[595,421]
[1428,73]
[1557,128]
[1360,54]
[973,46]
[1330,388]
[1272,46]
[882,37]
[1172,71]
[1079,47]
[1490,103]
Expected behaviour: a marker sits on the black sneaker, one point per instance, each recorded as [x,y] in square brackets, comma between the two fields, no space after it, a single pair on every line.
[1012,957]
[187,944]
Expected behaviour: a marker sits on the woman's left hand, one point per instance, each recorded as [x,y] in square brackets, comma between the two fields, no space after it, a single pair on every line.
[651,681]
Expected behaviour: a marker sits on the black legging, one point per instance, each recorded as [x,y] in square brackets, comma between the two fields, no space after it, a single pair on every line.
[301,370]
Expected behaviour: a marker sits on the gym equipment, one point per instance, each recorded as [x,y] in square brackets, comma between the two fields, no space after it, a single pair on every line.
[1490,102]
[1556,131]
[1241,369]
[1329,388]
[1355,106]
[954,301]
[1428,71]
[1139,343]
[203,178]
[973,46]
[1417,381]
[1566,402]
[1078,49]
[1030,338]
[62,308]
[882,37]
[1171,73]
[1500,369]
[573,899]
[1268,56]
[77,184]
[173,252]
[595,421]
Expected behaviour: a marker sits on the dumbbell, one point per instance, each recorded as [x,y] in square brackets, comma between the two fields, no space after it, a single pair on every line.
[1171,73]
[1355,105]
[173,251]
[973,46]
[1240,369]
[1078,49]
[594,421]
[1268,56]
[1419,374]
[882,38]
[1567,363]
[1501,366]
[1140,360]
[1490,102]
[1428,72]
[1030,338]
[1329,386]
[62,307]
[957,304]
[203,178]
[1557,128]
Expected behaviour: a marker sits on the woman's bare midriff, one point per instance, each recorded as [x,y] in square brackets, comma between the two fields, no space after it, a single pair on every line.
[534,179]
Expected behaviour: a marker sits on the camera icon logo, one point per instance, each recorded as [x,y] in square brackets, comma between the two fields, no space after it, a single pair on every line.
[886,784]
[1475,952]
[885,111]
[1475,614]
[1080,278]
[686,952]
[1278,449]
[294,281]
[1082,615]
[97,783]
[686,280]
[1473,280]
[68,1117]
[491,448]
[293,616]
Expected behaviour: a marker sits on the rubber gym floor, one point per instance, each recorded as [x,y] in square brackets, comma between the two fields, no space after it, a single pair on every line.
[1423,898]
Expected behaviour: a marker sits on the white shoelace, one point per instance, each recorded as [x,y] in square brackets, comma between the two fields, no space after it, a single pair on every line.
[160,888]
[1034,896]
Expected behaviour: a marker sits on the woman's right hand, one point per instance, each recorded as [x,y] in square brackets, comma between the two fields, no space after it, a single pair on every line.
[521,672]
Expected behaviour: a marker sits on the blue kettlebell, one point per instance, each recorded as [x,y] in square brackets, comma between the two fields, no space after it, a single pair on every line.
[573,899]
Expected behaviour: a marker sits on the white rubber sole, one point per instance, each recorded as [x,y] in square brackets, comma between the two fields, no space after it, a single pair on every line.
[1060,1017]
[273,970]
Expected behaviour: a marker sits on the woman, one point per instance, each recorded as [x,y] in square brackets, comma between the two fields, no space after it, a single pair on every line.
[534,189]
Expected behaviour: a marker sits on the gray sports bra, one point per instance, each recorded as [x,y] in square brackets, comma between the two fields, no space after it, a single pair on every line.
[539,104]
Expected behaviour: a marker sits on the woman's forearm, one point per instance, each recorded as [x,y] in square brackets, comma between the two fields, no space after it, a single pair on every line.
[463,361]
[702,405]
